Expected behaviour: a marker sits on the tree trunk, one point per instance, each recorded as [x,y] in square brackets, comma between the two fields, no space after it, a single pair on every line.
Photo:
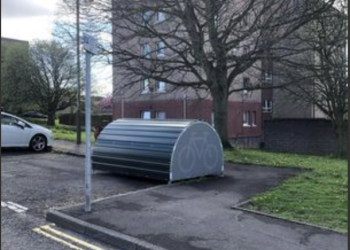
[51,119]
[220,117]
[341,136]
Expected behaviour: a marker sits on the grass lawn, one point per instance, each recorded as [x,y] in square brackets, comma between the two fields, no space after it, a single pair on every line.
[319,197]
[63,132]
[68,133]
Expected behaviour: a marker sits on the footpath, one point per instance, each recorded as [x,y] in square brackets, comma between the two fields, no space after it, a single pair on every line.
[195,215]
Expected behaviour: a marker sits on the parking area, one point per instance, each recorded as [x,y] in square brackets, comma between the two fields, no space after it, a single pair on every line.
[188,215]
[46,180]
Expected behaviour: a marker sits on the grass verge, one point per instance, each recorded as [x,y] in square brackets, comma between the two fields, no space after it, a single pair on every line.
[319,197]
[68,133]
[63,132]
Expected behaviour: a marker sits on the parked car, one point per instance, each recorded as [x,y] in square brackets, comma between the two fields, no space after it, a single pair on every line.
[34,114]
[17,132]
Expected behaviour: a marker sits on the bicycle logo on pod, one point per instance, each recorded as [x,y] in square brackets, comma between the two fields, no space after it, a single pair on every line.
[198,150]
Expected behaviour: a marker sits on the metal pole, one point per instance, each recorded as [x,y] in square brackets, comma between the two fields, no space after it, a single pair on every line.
[78,75]
[122,103]
[88,134]
[184,106]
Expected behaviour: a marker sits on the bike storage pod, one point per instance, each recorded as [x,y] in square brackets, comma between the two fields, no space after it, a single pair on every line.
[168,150]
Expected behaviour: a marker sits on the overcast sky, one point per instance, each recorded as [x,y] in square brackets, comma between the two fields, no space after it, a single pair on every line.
[27,19]
[33,20]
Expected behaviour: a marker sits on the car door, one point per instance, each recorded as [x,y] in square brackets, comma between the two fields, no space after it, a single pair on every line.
[13,135]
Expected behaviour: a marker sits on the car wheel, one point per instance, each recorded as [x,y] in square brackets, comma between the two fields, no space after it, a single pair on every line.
[38,143]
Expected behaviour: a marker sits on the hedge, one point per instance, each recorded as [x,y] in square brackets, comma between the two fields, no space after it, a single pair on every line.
[96,120]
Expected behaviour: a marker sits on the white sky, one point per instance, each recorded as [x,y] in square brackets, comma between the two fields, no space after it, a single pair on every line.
[27,19]
[31,20]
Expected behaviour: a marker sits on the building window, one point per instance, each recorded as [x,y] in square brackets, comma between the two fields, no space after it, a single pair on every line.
[160,49]
[146,17]
[233,52]
[246,85]
[146,50]
[267,106]
[160,86]
[253,118]
[160,16]
[246,119]
[145,86]
[267,77]
[161,115]
[245,50]
[216,20]
[146,115]
[213,119]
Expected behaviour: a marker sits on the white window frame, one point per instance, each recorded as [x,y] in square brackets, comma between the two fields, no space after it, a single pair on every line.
[246,119]
[267,106]
[146,114]
[146,17]
[160,17]
[158,113]
[145,86]
[267,77]
[146,50]
[160,49]
[253,118]
[216,20]
[245,91]
[161,87]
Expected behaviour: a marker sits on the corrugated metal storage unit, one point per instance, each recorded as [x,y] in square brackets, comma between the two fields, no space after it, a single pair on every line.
[168,150]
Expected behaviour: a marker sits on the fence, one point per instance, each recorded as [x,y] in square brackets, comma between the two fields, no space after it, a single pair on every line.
[96,120]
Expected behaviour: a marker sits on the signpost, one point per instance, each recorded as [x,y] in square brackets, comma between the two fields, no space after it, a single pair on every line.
[90,46]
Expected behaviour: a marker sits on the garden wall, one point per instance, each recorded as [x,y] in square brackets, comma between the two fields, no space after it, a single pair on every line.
[302,136]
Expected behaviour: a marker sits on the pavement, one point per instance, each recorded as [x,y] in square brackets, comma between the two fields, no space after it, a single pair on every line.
[201,214]
[68,147]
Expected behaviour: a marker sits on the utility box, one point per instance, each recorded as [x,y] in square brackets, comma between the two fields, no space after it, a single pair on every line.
[167,150]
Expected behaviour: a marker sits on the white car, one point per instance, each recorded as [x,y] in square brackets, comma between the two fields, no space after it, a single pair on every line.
[16,132]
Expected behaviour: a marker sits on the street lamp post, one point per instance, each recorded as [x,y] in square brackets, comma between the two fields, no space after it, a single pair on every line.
[78,75]
[90,46]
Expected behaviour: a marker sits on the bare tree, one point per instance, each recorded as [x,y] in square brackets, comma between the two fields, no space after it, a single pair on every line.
[321,77]
[52,77]
[201,39]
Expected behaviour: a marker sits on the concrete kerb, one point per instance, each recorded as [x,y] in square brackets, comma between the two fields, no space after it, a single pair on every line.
[108,236]
[239,208]
[67,152]
[107,198]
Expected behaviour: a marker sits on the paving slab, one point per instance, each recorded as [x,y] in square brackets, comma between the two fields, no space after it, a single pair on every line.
[198,215]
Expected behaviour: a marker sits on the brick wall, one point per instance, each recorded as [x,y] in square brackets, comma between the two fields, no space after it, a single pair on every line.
[201,109]
[302,136]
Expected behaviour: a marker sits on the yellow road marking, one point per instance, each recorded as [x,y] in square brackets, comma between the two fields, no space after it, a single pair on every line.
[39,231]
[67,236]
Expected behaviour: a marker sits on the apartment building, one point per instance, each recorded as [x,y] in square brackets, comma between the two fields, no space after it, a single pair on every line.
[150,99]
[158,100]
[156,96]
[322,62]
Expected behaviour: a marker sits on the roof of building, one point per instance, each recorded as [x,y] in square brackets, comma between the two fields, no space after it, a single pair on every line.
[12,40]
